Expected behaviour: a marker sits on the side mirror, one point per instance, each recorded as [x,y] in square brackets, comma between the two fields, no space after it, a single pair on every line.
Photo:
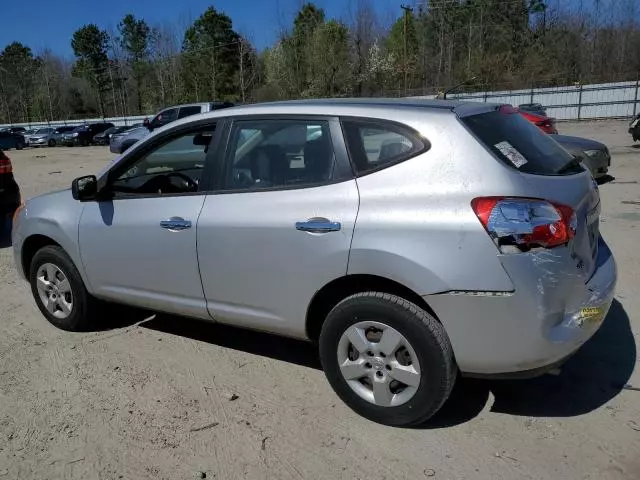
[85,188]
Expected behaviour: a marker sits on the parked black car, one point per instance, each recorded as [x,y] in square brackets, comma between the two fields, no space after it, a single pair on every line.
[9,140]
[83,135]
[103,138]
[18,130]
[634,128]
[593,155]
[9,192]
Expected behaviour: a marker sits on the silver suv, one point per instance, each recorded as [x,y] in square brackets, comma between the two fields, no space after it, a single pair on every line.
[409,239]
[120,142]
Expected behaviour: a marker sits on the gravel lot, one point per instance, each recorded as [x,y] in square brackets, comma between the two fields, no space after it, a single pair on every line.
[170,398]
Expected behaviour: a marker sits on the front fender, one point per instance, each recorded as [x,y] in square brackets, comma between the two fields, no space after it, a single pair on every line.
[55,216]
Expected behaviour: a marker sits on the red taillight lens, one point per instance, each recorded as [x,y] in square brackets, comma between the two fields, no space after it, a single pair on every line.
[526,222]
[5,164]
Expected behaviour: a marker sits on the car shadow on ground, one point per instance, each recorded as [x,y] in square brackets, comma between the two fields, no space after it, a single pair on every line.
[591,378]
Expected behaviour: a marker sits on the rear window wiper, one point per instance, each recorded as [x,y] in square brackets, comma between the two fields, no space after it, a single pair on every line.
[570,165]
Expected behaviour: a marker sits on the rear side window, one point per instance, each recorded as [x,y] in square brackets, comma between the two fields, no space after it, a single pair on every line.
[188,111]
[520,144]
[375,144]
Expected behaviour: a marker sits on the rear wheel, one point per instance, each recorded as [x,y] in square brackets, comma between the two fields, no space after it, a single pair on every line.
[59,291]
[52,142]
[20,146]
[387,359]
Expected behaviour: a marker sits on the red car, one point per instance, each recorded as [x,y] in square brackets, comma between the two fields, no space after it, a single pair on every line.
[546,124]
[9,193]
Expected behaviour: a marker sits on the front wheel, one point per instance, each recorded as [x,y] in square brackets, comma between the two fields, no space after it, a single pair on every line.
[20,146]
[387,359]
[59,291]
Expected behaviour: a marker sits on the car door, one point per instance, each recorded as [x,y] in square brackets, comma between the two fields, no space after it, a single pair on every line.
[139,247]
[280,225]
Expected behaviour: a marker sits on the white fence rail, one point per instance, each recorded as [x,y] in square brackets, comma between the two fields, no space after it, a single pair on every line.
[575,102]
[117,121]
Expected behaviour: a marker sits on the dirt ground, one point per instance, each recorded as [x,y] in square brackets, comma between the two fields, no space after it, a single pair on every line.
[170,398]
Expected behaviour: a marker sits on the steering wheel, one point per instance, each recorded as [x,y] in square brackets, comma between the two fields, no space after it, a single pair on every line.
[191,183]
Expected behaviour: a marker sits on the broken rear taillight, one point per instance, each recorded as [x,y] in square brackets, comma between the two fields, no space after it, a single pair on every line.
[525,222]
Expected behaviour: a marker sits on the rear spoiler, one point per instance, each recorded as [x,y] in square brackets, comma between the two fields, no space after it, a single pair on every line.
[468,109]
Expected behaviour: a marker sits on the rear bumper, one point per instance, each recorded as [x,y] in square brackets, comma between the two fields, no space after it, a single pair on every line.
[552,312]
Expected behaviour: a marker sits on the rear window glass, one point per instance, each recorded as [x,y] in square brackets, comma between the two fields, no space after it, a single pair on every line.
[521,145]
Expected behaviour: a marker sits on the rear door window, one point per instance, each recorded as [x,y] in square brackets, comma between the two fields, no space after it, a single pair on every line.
[375,144]
[520,144]
[279,153]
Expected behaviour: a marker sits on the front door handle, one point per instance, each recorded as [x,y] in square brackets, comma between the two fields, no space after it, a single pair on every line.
[175,224]
[318,225]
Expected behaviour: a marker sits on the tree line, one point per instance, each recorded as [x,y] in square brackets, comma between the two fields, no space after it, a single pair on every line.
[139,68]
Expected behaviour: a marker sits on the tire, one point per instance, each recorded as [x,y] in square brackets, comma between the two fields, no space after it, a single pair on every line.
[52,143]
[428,345]
[83,305]
[19,146]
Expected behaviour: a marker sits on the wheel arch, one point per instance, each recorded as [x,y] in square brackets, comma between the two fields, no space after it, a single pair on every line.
[31,246]
[340,288]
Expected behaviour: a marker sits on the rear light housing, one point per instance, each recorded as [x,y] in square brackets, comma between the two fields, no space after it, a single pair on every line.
[5,164]
[525,222]
[547,126]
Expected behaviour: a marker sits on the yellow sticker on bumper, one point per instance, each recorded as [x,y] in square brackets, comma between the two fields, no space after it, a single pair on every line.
[592,315]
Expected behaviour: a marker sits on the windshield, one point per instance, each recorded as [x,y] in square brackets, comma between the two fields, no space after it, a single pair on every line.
[520,144]
[82,128]
[44,131]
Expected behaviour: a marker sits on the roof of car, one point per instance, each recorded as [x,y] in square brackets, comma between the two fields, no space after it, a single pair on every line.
[354,106]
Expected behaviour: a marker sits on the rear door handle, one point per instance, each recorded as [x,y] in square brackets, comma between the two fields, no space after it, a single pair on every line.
[175,224]
[318,225]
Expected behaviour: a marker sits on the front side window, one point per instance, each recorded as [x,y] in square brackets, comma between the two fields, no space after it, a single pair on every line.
[279,154]
[375,144]
[173,167]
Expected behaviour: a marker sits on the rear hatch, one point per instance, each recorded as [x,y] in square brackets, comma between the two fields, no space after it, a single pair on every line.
[543,170]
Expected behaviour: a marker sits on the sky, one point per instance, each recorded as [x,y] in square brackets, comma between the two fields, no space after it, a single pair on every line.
[50,23]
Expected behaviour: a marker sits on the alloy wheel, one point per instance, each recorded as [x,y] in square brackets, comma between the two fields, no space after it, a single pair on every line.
[54,290]
[379,364]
